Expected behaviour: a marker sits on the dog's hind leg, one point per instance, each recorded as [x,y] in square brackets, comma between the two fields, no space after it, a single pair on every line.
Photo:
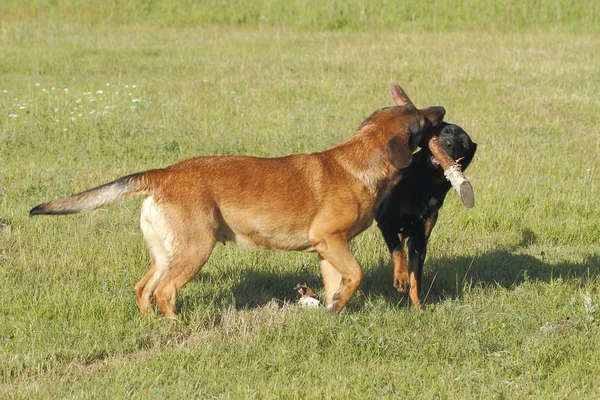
[146,285]
[158,242]
[193,243]
[334,250]
[187,260]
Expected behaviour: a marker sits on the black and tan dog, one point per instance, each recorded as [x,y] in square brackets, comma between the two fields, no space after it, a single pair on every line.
[307,202]
[411,210]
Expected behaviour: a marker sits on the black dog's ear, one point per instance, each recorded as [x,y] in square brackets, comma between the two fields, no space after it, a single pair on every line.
[435,115]
[471,154]
[399,153]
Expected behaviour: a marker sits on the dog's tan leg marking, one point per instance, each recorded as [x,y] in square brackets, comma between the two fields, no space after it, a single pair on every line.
[335,251]
[414,290]
[331,279]
[413,268]
[400,269]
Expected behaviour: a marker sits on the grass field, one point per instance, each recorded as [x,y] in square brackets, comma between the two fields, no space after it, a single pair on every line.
[91,94]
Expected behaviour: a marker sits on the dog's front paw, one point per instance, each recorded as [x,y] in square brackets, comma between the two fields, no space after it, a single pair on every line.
[401,282]
[332,307]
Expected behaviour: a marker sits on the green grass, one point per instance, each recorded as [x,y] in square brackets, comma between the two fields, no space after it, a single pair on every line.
[499,278]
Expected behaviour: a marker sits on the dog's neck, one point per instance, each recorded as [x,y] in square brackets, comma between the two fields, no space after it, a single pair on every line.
[364,156]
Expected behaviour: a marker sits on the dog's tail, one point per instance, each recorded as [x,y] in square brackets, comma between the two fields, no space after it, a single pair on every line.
[109,193]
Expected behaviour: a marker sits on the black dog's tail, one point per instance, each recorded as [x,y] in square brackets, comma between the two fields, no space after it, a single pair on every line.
[109,193]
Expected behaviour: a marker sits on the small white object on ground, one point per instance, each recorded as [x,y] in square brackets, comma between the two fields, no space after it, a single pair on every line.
[308,302]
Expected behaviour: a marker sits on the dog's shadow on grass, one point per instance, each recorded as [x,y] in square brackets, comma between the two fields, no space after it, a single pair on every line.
[443,278]
[446,278]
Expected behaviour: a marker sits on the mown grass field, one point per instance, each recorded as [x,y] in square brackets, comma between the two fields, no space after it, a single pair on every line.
[89,94]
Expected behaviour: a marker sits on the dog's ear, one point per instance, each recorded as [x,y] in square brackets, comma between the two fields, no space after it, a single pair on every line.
[399,153]
[400,97]
[435,115]
[469,157]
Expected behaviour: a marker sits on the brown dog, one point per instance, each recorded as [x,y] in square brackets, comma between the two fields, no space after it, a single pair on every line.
[308,202]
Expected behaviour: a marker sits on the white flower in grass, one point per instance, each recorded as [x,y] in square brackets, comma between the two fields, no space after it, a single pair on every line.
[78,101]
[58,120]
[126,86]
[53,88]
[56,110]
[99,92]
[92,100]
[13,116]
[135,100]
[37,84]
[22,107]
[204,80]
[133,86]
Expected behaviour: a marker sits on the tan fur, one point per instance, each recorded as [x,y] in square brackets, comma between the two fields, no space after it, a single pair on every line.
[307,202]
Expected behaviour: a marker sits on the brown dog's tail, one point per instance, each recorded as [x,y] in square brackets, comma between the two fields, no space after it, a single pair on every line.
[109,193]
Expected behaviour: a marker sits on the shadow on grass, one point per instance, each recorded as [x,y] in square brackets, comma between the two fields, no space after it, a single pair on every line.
[443,278]
[448,277]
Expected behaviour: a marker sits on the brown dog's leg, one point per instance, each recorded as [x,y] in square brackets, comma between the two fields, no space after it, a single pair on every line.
[185,264]
[335,251]
[143,300]
[331,279]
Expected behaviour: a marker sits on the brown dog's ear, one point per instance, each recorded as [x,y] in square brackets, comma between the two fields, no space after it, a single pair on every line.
[398,152]
[435,115]
[400,97]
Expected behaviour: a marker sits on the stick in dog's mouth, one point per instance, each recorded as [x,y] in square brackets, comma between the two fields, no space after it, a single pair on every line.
[452,169]
[453,172]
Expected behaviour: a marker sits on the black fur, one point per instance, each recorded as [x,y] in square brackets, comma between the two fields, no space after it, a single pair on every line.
[411,210]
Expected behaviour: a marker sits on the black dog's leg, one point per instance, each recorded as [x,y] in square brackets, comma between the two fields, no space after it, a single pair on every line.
[417,251]
[395,243]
